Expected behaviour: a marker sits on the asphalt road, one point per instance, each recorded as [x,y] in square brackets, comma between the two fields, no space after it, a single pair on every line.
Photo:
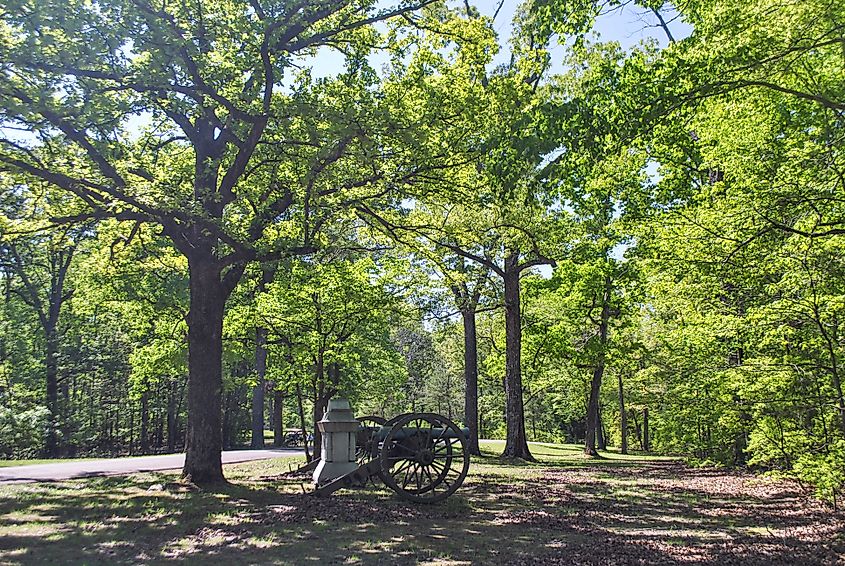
[119,466]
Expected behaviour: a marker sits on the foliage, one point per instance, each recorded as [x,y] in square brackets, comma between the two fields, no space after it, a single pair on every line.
[158,161]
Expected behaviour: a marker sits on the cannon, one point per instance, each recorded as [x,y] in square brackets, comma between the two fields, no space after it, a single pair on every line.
[420,456]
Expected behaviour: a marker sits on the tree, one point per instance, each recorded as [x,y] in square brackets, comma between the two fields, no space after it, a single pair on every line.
[467,296]
[334,314]
[206,78]
[39,262]
[135,277]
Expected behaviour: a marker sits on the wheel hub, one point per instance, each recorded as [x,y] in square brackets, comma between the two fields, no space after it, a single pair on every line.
[425,457]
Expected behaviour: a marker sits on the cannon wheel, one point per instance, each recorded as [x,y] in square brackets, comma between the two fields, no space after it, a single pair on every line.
[388,424]
[364,445]
[424,458]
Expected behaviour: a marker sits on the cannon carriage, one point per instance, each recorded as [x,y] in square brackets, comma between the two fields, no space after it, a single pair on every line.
[420,456]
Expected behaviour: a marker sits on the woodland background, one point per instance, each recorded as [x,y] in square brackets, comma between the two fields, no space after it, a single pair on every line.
[652,238]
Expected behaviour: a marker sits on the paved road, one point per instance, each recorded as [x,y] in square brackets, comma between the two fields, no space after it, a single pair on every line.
[118,466]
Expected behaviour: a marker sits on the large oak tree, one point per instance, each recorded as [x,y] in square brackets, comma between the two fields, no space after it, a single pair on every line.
[236,137]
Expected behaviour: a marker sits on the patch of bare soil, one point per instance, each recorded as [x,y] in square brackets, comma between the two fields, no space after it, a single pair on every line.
[655,514]
[670,514]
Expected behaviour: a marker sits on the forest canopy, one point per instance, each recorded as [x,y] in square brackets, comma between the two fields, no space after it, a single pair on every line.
[216,216]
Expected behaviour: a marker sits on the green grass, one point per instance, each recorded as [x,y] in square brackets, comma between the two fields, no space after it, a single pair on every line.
[9,463]
[573,454]
[552,511]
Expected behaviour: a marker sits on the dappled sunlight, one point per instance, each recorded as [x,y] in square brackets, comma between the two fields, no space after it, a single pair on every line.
[540,513]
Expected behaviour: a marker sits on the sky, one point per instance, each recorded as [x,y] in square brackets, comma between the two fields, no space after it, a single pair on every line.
[628,25]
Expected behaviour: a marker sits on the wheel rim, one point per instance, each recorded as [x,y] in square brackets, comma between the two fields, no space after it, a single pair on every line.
[366,447]
[424,458]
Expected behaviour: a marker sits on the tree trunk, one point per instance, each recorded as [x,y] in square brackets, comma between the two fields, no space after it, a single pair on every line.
[131,431]
[831,338]
[227,415]
[601,438]
[258,390]
[268,272]
[637,429]
[65,414]
[303,426]
[598,374]
[646,440]
[317,413]
[52,383]
[278,418]
[593,411]
[172,416]
[471,379]
[318,406]
[145,423]
[205,373]
[623,417]
[48,316]
[516,444]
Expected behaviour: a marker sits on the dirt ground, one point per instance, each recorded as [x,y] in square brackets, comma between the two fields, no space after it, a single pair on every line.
[602,513]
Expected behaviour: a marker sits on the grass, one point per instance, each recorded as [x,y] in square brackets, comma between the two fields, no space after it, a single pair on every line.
[564,509]
[10,463]
[573,454]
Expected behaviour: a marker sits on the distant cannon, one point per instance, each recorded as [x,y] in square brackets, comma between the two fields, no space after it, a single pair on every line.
[420,456]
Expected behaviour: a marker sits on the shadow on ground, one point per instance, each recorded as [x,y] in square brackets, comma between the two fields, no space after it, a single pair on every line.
[645,513]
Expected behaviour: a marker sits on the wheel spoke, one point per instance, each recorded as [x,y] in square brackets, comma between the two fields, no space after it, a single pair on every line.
[402,468]
[407,477]
[448,443]
[422,457]
[428,473]
[438,467]
[446,456]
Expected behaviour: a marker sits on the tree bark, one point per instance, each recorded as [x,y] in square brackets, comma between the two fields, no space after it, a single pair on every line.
[831,339]
[592,414]
[205,372]
[471,379]
[172,389]
[145,423]
[52,390]
[323,393]
[646,439]
[48,316]
[302,424]
[258,390]
[601,438]
[516,443]
[278,418]
[268,273]
[319,400]
[637,429]
[598,374]
[623,417]
[317,413]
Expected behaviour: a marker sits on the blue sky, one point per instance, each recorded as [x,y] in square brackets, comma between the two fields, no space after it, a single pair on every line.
[629,25]
[626,24]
